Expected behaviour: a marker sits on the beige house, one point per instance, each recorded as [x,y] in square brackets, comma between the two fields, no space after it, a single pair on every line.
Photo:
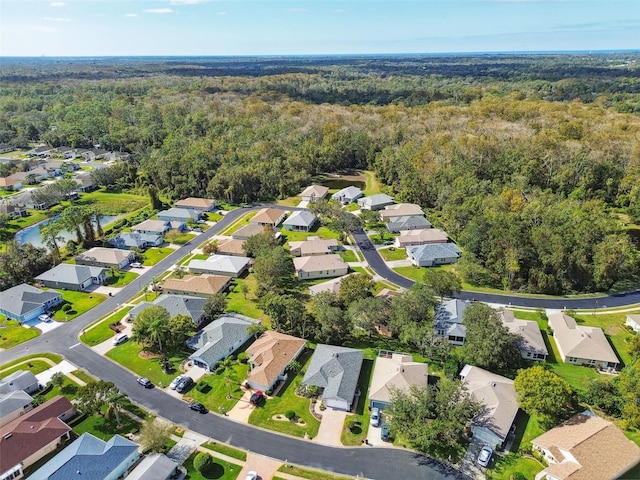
[332,285]
[106,257]
[531,343]
[313,246]
[231,247]
[197,285]
[586,447]
[268,216]
[427,236]
[394,371]
[313,193]
[247,231]
[320,266]
[498,395]
[269,357]
[633,322]
[582,345]
[400,210]
[197,203]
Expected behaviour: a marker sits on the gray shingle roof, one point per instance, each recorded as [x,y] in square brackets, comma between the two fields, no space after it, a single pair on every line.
[216,340]
[408,222]
[349,192]
[301,218]
[134,240]
[434,251]
[182,213]
[373,200]
[12,401]
[153,467]
[24,298]
[92,457]
[450,311]
[175,305]
[18,380]
[336,369]
[68,273]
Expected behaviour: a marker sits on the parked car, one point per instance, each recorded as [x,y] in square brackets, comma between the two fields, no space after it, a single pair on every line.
[174,383]
[198,407]
[257,397]
[252,475]
[120,339]
[44,318]
[375,417]
[388,242]
[384,432]
[136,265]
[184,385]
[145,382]
[485,456]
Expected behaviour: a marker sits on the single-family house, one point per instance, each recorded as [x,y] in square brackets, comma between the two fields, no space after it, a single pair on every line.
[54,168]
[116,156]
[313,193]
[32,436]
[41,173]
[232,247]
[182,215]
[72,277]
[530,342]
[85,182]
[93,458]
[426,236]
[136,240]
[320,266]
[268,216]
[24,302]
[106,257]
[375,202]
[400,210]
[197,203]
[394,371]
[156,227]
[65,152]
[587,447]
[221,265]
[39,151]
[347,195]
[447,321]
[433,254]
[10,183]
[335,371]
[13,405]
[154,467]
[332,285]
[269,357]
[20,380]
[99,153]
[498,395]
[580,344]
[246,231]
[633,322]
[6,148]
[408,222]
[87,155]
[300,221]
[197,285]
[14,211]
[220,339]
[313,246]
[192,307]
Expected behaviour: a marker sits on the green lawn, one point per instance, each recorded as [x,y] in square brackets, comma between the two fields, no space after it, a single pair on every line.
[34,366]
[120,279]
[390,254]
[309,473]
[289,201]
[80,302]
[154,255]
[69,389]
[104,428]
[322,232]
[373,186]
[220,470]
[414,273]
[84,376]
[12,333]
[287,400]
[225,449]
[236,301]
[22,363]
[215,399]
[100,332]
[128,355]
[241,222]
[181,239]
[503,467]
[362,414]
[348,256]
[113,203]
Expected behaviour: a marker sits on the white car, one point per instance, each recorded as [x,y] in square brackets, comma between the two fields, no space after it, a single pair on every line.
[44,318]
[174,383]
[252,475]
[375,417]
[136,265]
[485,456]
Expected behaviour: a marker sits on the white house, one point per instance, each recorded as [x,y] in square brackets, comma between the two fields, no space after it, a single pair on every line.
[633,322]
[348,195]
[231,266]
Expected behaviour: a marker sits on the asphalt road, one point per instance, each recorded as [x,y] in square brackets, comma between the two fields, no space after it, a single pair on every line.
[380,267]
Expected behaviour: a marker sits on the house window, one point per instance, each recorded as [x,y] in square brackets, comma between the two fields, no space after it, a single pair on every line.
[592,362]
[573,359]
[529,354]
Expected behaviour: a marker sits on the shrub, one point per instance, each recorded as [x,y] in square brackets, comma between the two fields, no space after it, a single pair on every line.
[202,462]
[518,476]
[243,357]
[290,414]
[66,307]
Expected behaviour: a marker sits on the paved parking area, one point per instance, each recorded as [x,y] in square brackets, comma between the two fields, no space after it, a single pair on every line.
[242,410]
[265,466]
[330,426]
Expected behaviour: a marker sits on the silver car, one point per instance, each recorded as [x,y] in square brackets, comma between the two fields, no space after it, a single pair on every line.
[174,383]
[485,456]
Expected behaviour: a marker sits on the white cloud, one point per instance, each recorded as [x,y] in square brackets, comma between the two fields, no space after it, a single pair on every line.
[160,11]
[295,10]
[57,19]
[187,2]
[58,4]
[131,15]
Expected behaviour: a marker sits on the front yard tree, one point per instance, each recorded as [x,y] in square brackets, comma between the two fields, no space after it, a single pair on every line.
[286,312]
[629,386]
[261,243]
[431,416]
[442,282]
[354,287]
[273,270]
[151,328]
[489,344]
[544,393]
[154,435]
[115,402]
[181,328]
[215,305]
[57,379]
[366,313]
[333,325]
[413,306]
[93,397]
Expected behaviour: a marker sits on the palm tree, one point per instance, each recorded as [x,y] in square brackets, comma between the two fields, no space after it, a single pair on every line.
[158,330]
[115,404]
[228,373]
[50,236]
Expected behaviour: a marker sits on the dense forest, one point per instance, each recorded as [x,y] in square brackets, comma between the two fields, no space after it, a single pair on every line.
[531,163]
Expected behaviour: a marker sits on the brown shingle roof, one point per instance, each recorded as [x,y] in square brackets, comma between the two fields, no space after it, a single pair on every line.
[401,210]
[319,263]
[231,247]
[202,284]
[267,215]
[270,354]
[196,202]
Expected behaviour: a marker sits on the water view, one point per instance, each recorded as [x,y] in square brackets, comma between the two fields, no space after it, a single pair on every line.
[32,234]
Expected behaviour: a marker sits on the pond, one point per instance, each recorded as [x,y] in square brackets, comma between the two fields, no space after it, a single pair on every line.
[32,234]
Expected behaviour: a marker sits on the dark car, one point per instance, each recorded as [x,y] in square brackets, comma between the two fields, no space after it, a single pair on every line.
[145,382]
[198,407]
[257,398]
[184,385]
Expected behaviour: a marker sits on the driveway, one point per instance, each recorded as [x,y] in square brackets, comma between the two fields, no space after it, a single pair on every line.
[186,446]
[468,464]
[242,410]
[330,426]
[265,467]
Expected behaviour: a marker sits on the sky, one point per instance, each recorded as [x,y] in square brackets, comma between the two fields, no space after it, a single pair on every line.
[284,27]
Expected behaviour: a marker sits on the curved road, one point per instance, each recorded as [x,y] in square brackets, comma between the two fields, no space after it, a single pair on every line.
[368,462]
[378,265]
